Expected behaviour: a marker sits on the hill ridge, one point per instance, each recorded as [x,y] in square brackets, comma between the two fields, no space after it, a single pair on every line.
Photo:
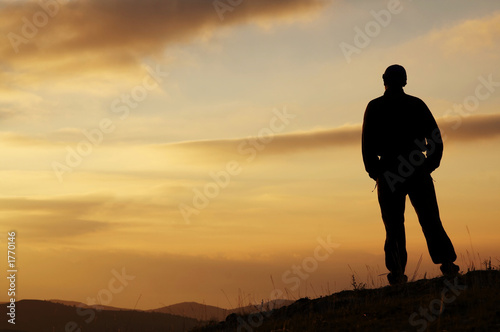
[465,303]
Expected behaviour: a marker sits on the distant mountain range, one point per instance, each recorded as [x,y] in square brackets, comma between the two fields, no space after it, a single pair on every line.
[209,313]
[71,316]
[83,305]
[48,316]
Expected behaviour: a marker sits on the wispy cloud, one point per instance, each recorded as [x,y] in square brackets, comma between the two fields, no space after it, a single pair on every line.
[95,34]
[67,218]
[470,128]
[472,37]
[473,127]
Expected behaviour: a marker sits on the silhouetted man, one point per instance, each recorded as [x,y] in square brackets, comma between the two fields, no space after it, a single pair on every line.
[402,146]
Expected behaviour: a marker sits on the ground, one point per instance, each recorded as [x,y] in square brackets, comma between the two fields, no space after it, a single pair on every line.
[467,302]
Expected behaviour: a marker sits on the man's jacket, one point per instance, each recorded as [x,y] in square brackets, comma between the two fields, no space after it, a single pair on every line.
[397,130]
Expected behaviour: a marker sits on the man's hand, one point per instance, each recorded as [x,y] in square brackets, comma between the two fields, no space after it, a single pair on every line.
[430,165]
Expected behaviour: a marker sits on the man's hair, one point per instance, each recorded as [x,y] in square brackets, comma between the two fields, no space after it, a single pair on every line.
[395,76]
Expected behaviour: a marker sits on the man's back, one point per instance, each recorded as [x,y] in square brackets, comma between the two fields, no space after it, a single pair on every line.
[397,125]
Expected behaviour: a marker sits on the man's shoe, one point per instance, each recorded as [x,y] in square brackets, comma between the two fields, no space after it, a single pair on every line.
[397,278]
[450,269]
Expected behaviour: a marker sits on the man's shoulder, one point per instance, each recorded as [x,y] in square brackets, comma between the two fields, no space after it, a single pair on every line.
[413,98]
[404,98]
[376,101]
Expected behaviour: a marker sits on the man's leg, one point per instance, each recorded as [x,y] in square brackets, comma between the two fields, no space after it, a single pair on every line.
[392,206]
[423,198]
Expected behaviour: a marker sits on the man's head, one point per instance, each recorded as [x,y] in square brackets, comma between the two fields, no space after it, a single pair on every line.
[394,77]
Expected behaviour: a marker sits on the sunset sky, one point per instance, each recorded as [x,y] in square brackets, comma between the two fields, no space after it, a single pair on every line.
[207,148]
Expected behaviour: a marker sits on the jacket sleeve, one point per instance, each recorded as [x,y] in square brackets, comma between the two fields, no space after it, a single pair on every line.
[368,144]
[434,140]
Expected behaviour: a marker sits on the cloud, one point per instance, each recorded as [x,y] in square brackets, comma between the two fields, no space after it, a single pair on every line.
[21,140]
[472,37]
[281,143]
[456,128]
[465,40]
[6,114]
[470,128]
[54,218]
[441,51]
[77,205]
[95,34]
[74,217]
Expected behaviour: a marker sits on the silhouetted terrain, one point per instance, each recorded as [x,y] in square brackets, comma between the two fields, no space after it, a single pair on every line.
[60,315]
[466,303]
[47,316]
[204,312]
[83,305]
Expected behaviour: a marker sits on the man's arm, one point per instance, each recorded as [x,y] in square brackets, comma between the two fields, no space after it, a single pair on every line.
[434,141]
[368,148]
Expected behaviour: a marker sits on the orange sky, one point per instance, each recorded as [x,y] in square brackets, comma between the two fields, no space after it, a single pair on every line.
[204,153]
